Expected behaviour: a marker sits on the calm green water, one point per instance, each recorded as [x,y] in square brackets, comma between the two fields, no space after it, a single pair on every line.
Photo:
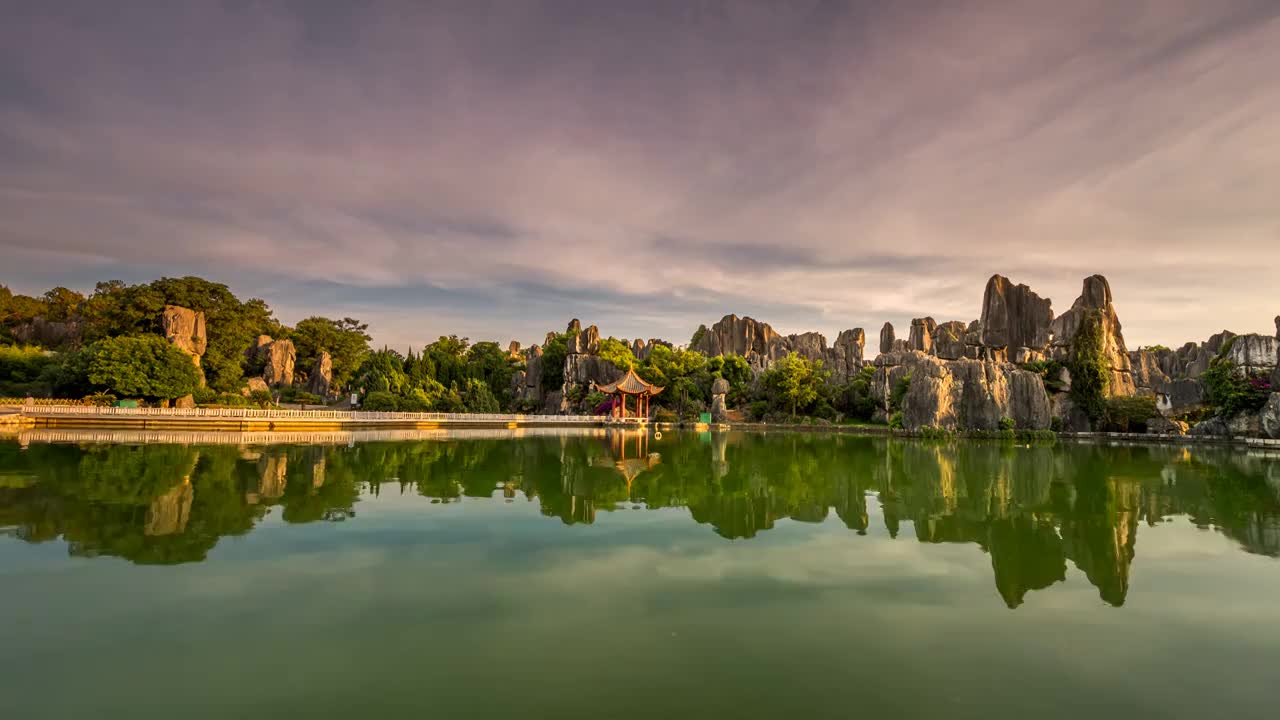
[599,576]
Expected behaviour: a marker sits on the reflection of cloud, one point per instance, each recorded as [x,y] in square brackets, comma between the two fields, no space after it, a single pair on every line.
[820,165]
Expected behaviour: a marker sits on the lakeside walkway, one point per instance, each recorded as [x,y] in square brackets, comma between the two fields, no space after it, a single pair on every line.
[274,419]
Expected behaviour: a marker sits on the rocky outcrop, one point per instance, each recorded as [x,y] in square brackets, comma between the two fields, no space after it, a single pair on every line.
[758,344]
[642,349]
[1013,316]
[582,342]
[887,338]
[320,379]
[755,341]
[961,394]
[253,385]
[277,358]
[50,333]
[1254,354]
[845,357]
[526,384]
[1269,418]
[1275,375]
[921,337]
[719,408]
[949,340]
[1096,297]
[184,329]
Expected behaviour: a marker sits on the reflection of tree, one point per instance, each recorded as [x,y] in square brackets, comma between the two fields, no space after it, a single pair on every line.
[1032,509]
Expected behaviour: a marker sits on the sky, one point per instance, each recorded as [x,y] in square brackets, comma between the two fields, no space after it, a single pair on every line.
[495,168]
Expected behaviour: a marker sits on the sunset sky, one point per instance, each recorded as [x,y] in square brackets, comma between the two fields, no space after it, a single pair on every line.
[495,168]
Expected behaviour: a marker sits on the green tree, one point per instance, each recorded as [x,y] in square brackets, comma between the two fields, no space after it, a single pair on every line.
[382,370]
[346,341]
[553,355]
[795,381]
[62,304]
[616,352]
[144,366]
[478,398]
[489,363]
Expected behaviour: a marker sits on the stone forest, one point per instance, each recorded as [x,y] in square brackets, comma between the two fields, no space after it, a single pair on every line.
[1018,367]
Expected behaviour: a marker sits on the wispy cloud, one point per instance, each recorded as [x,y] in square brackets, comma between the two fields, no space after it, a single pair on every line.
[496,169]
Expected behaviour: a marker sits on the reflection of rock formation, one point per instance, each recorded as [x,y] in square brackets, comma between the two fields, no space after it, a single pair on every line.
[1026,554]
[272,477]
[737,515]
[1099,535]
[169,512]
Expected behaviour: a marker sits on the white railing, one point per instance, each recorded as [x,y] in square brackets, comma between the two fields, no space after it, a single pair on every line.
[280,414]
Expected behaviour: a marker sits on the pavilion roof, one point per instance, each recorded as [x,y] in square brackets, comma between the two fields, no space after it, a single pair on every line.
[630,384]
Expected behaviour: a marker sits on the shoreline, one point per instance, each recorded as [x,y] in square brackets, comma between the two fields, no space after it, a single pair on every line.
[241,422]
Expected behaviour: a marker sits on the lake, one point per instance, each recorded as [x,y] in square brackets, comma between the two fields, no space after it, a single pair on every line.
[602,574]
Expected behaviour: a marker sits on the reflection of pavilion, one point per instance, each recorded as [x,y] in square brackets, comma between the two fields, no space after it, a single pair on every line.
[630,455]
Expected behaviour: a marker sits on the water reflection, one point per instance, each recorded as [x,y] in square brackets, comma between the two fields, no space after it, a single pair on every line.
[1035,510]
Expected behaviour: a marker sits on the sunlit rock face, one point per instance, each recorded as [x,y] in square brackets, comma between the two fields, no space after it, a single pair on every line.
[168,513]
[921,337]
[961,394]
[1096,296]
[755,341]
[185,329]
[949,340]
[1013,316]
[320,379]
[277,358]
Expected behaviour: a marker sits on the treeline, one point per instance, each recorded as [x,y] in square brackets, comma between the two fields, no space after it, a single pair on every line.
[109,345]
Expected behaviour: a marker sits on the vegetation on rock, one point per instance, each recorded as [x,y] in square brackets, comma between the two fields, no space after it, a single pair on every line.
[1090,372]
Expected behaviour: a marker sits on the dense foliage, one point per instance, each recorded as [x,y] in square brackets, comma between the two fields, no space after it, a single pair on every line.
[144,366]
[1230,390]
[1090,374]
[346,341]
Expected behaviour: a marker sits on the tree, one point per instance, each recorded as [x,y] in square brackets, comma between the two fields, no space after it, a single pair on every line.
[62,304]
[346,341]
[382,370]
[553,355]
[488,362]
[616,352]
[795,381]
[478,398]
[144,366]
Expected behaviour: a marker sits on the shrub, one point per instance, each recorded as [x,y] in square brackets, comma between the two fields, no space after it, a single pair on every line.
[759,409]
[1048,370]
[1055,424]
[262,398]
[895,421]
[100,399]
[936,433]
[665,416]
[1006,423]
[899,392]
[307,398]
[380,401]
[1230,391]
[1129,414]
